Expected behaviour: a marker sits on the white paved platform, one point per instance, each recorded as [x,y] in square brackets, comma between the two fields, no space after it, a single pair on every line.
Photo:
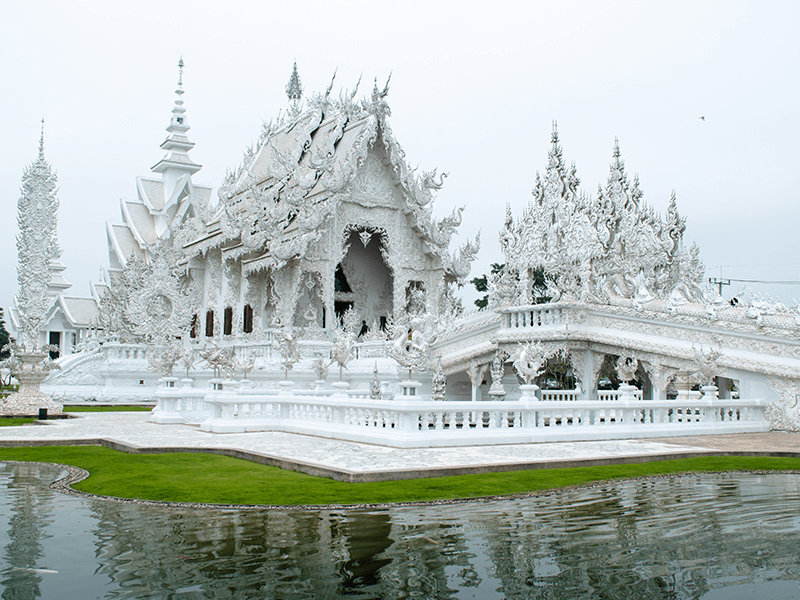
[342,460]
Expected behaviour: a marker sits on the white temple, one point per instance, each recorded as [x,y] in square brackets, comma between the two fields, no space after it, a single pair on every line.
[322,250]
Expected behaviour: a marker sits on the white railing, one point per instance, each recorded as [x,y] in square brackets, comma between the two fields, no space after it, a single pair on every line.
[117,351]
[546,315]
[181,404]
[420,423]
[559,395]
[612,395]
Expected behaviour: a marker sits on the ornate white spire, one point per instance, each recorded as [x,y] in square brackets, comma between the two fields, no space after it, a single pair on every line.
[37,246]
[41,142]
[177,161]
[294,90]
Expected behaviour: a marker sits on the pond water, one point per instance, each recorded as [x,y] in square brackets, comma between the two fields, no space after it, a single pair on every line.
[710,536]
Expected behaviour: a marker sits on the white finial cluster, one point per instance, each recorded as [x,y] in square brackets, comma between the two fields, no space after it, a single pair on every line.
[294,90]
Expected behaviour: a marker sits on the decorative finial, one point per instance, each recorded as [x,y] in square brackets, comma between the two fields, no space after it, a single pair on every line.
[293,89]
[385,91]
[330,87]
[355,89]
[41,141]
[555,132]
[180,72]
[375,92]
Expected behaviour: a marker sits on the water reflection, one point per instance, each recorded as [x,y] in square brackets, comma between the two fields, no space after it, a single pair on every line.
[691,537]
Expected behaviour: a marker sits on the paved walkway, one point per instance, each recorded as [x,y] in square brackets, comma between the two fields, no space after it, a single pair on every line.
[350,461]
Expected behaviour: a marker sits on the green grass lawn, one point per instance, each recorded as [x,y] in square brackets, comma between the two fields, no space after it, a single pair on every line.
[16,421]
[190,477]
[107,408]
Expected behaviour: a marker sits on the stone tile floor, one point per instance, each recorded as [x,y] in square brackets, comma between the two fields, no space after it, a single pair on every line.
[356,461]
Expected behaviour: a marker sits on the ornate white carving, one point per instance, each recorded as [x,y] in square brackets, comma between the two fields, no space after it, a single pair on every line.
[530,362]
[784,416]
[615,246]
[626,366]
[288,348]
[37,247]
[707,364]
[410,346]
[438,382]
[497,370]
[148,302]
[162,356]
[343,348]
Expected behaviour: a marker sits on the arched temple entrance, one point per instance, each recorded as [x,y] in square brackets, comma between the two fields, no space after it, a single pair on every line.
[363,281]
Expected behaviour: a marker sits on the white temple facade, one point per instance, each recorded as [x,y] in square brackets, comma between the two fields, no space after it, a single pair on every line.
[322,253]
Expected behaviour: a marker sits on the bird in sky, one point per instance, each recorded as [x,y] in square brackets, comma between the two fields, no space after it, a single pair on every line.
[703,118]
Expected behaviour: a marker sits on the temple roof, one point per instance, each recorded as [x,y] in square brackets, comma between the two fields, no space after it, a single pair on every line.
[308,162]
[162,204]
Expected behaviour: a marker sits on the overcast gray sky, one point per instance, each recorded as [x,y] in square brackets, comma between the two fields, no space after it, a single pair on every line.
[474,90]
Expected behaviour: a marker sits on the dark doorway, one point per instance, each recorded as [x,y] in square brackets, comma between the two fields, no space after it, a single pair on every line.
[55,340]
[341,307]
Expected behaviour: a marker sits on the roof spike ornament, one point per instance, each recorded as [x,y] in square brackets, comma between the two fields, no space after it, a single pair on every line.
[378,104]
[294,90]
[355,89]
[176,162]
[41,142]
[330,85]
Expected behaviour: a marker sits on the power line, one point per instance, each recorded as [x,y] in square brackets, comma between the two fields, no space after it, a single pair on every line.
[768,265]
[763,281]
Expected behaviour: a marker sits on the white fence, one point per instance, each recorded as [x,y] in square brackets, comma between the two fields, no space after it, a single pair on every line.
[420,423]
[535,316]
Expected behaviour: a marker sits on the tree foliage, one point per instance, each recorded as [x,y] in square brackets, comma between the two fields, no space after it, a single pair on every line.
[539,289]
[482,285]
[4,338]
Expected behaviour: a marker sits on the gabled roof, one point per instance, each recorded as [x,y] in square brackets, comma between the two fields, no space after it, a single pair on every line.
[140,222]
[82,312]
[304,166]
[123,242]
[151,192]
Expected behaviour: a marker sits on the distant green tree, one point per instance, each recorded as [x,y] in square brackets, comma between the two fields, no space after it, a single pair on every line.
[482,285]
[4,339]
[538,286]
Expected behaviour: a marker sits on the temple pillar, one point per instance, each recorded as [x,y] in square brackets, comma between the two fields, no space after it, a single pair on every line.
[588,377]
[476,373]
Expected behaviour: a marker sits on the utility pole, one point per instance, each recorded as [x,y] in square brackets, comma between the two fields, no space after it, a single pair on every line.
[719,281]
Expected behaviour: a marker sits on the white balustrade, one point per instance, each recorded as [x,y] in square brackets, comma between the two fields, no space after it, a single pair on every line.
[559,395]
[535,316]
[420,423]
[180,405]
[612,395]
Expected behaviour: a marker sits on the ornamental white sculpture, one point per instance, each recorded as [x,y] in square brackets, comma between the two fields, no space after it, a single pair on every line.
[626,366]
[162,356]
[438,382]
[343,348]
[37,247]
[530,362]
[288,349]
[497,370]
[708,368]
[410,346]
[596,250]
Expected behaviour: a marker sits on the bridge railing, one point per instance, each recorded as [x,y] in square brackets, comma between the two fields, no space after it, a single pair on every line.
[535,315]
[421,423]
